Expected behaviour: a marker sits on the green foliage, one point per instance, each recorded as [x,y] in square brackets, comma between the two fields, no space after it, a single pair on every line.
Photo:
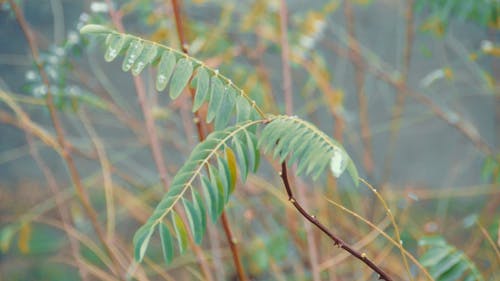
[491,169]
[285,136]
[306,145]
[217,184]
[177,68]
[441,12]
[445,262]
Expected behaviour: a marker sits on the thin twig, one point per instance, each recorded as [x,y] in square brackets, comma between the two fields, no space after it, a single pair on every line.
[285,58]
[401,97]
[201,136]
[66,153]
[336,240]
[364,120]
[155,147]
[149,121]
[288,96]
[106,175]
[61,207]
[395,82]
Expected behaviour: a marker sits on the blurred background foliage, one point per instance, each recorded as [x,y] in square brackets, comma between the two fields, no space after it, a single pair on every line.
[408,87]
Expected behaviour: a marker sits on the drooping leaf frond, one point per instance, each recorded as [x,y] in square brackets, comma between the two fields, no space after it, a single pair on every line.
[305,144]
[218,155]
[176,69]
[446,262]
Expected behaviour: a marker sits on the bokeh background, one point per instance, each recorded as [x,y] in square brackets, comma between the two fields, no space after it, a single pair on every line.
[408,87]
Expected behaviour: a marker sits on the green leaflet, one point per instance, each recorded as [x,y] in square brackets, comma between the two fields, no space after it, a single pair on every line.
[165,69]
[253,151]
[180,232]
[215,192]
[217,90]
[445,262]
[243,109]
[180,78]
[305,145]
[115,45]
[141,242]
[95,29]
[198,205]
[133,53]
[167,244]
[194,219]
[211,197]
[147,56]
[210,85]
[242,158]
[202,86]
[216,184]
[225,108]
[6,235]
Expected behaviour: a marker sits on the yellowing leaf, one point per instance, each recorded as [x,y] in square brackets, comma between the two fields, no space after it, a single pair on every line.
[231,162]
[24,238]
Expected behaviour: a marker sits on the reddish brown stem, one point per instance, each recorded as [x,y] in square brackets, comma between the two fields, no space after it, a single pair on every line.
[285,58]
[199,126]
[149,121]
[66,151]
[336,240]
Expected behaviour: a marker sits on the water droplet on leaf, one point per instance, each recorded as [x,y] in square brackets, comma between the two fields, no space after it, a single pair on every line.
[338,162]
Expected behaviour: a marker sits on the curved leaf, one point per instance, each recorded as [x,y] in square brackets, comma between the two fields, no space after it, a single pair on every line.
[445,262]
[165,69]
[202,86]
[167,244]
[180,231]
[306,145]
[140,52]
[215,192]
[180,78]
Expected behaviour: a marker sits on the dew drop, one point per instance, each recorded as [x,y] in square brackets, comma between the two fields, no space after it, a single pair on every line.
[162,79]
[338,162]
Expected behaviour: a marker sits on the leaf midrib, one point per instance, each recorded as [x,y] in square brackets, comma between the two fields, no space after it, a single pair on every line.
[200,167]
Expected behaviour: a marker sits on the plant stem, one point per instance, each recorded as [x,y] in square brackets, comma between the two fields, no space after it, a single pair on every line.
[401,97]
[288,95]
[395,82]
[336,240]
[153,138]
[199,125]
[61,207]
[66,151]
[285,58]
[364,120]
[149,121]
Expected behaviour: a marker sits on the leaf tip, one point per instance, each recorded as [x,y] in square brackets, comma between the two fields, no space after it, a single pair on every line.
[94,29]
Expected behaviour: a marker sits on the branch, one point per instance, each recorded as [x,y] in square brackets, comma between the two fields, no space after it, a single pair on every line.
[364,118]
[199,126]
[337,241]
[66,150]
